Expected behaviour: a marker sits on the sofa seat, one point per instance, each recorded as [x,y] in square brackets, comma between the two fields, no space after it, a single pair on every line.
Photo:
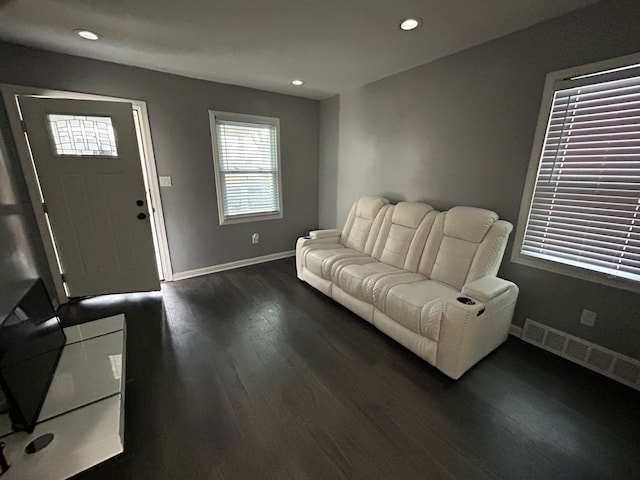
[417,305]
[358,280]
[321,261]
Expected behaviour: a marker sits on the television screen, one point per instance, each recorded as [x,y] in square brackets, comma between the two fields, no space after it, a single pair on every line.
[31,342]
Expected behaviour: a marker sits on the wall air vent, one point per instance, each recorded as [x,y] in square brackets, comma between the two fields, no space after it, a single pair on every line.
[612,364]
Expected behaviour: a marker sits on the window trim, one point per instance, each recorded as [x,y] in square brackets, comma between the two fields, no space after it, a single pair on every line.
[241,117]
[551,81]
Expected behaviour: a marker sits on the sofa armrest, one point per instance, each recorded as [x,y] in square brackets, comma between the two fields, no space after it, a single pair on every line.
[485,289]
[303,244]
[474,324]
[327,233]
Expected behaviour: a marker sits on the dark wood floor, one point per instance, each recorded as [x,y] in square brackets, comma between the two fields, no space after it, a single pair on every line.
[252,374]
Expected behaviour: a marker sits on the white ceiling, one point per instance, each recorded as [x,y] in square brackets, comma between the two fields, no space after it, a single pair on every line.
[335,45]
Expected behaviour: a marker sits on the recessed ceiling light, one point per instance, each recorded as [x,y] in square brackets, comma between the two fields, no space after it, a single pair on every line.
[410,23]
[87,34]
[297,82]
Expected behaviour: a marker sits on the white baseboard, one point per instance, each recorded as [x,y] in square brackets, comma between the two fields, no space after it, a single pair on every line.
[231,265]
[516,331]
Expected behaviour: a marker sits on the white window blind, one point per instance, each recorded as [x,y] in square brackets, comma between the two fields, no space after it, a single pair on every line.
[247,166]
[585,209]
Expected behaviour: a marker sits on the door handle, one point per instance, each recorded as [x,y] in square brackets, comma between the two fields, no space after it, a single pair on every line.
[142,216]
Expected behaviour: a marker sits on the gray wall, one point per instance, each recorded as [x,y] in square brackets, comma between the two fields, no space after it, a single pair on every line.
[179,121]
[328,158]
[459,131]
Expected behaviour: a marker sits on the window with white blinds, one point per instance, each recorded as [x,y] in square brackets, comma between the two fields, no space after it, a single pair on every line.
[247,167]
[584,210]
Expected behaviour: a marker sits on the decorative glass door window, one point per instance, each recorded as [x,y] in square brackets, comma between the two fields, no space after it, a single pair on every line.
[81,135]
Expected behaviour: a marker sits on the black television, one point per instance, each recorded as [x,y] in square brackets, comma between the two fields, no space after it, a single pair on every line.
[31,342]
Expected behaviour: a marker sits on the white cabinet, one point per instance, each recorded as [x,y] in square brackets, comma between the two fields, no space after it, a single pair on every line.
[84,407]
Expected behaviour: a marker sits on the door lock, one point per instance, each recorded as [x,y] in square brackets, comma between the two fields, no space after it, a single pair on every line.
[139,203]
[142,216]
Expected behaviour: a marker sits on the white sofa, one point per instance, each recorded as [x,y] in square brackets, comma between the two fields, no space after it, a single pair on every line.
[425,278]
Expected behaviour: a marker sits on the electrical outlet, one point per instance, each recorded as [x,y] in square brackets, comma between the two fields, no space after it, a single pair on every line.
[588,318]
[165,180]
[255,238]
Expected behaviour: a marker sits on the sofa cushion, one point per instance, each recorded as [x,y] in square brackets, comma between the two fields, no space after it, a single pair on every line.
[404,230]
[411,305]
[368,207]
[358,234]
[325,245]
[352,278]
[363,223]
[346,261]
[376,289]
[468,223]
[312,247]
[465,242]
[453,261]
[397,245]
[489,254]
[410,214]
[321,261]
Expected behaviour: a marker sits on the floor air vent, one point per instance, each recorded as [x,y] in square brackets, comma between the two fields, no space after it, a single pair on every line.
[599,359]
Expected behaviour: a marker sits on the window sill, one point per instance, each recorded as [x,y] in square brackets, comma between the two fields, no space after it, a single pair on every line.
[575,272]
[249,218]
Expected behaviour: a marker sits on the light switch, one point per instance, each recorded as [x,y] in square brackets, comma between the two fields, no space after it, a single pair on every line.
[165,181]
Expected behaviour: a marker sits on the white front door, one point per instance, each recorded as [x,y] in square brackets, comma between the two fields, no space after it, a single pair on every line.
[87,162]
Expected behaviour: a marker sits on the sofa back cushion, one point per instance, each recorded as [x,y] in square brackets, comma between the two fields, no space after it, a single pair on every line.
[465,244]
[363,223]
[403,233]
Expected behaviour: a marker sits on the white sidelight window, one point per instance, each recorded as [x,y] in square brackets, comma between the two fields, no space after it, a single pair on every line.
[580,213]
[246,153]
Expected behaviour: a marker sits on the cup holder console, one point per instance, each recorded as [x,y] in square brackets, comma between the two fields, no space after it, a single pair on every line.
[466,300]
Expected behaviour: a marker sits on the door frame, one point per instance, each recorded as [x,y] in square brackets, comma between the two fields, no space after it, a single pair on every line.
[10,95]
